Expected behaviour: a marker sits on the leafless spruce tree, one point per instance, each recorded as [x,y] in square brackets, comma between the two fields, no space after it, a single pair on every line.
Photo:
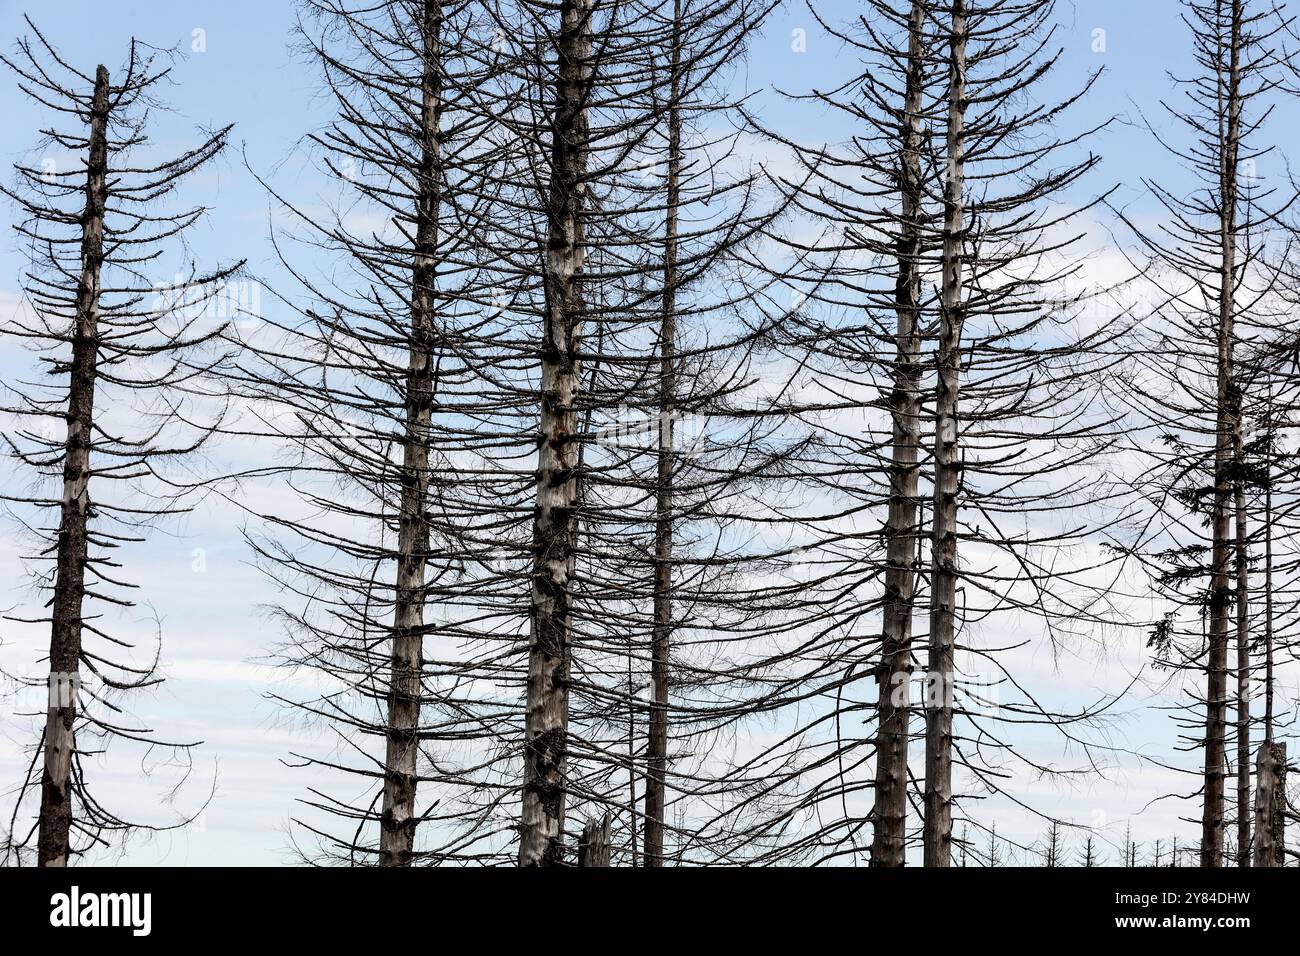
[613,513]
[1006,272]
[371,377]
[1213,268]
[129,358]
[905,234]
[524,290]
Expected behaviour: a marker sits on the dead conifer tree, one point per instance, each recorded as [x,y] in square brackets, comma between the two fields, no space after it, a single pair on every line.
[1000,255]
[943,569]
[661,640]
[1212,269]
[554,521]
[1000,252]
[131,357]
[606,176]
[367,377]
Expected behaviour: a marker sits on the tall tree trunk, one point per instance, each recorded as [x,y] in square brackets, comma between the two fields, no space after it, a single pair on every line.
[1243,647]
[890,812]
[947,463]
[547,717]
[1216,696]
[71,552]
[1268,578]
[657,746]
[398,820]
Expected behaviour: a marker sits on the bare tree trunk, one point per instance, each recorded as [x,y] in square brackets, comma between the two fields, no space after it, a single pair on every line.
[1268,584]
[893,712]
[1216,696]
[1243,649]
[1270,804]
[947,464]
[594,849]
[1270,766]
[657,745]
[547,717]
[631,756]
[398,820]
[71,554]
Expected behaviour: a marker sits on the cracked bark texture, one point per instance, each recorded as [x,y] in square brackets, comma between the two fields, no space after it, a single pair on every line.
[554,519]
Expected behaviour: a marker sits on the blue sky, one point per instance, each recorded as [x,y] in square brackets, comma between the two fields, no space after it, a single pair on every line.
[247,74]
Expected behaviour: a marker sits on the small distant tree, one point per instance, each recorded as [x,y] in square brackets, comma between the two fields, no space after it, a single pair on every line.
[1130,847]
[1052,849]
[994,855]
[1090,858]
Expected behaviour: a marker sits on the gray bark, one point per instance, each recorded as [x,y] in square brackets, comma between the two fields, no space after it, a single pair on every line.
[1243,651]
[889,814]
[547,715]
[657,744]
[1270,804]
[398,820]
[71,553]
[1268,585]
[1216,696]
[937,836]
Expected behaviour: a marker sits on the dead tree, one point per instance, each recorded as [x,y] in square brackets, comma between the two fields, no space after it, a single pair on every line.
[546,726]
[1227,401]
[661,641]
[594,848]
[603,181]
[1053,850]
[1270,805]
[117,340]
[1009,363]
[1241,557]
[943,571]
[706,459]
[365,377]
[907,58]
[1211,269]
[860,306]
[1090,856]
[847,337]
[398,814]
